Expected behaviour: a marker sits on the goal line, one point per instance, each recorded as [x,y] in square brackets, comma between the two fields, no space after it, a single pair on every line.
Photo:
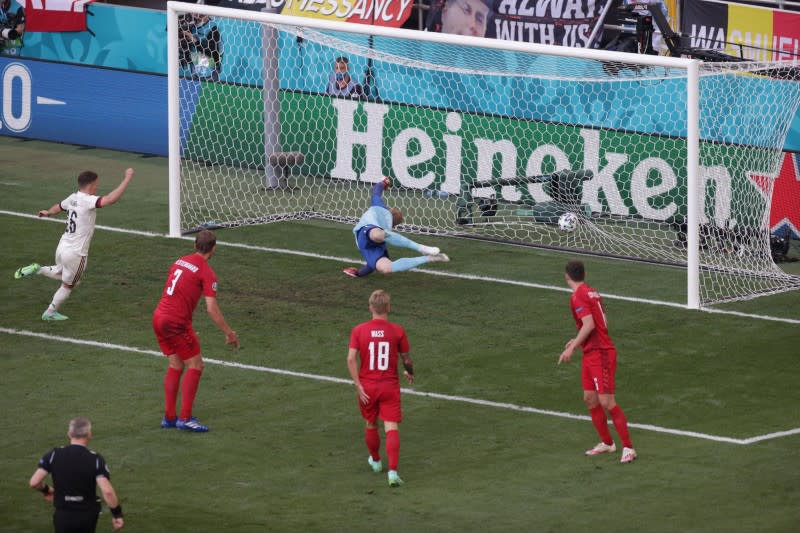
[454,275]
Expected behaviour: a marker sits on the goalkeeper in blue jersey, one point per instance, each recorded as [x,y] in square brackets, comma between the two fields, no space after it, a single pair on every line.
[374,231]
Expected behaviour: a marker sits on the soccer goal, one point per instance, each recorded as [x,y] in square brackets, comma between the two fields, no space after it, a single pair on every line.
[665,160]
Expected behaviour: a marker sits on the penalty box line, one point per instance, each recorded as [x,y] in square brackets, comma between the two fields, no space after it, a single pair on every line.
[411,392]
[443,273]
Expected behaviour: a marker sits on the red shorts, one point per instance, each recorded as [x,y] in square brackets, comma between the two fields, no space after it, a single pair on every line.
[384,401]
[175,338]
[598,369]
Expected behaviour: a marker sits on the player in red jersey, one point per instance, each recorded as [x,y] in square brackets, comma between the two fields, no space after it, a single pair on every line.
[599,364]
[189,278]
[379,344]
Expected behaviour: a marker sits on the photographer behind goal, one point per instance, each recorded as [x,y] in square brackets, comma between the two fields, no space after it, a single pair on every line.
[12,26]
[200,46]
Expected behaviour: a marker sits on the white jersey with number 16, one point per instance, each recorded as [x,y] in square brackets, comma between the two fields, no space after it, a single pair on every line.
[81,215]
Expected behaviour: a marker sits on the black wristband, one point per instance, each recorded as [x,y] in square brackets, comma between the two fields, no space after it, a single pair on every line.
[45,489]
[116,512]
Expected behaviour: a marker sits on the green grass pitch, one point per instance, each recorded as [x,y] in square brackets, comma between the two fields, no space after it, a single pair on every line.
[286,451]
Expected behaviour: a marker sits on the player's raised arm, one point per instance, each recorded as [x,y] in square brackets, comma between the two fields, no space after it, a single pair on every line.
[50,212]
[114,196]
[216,315]
[377,192]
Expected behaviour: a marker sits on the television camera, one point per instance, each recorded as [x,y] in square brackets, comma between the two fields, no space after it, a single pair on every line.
[630,28]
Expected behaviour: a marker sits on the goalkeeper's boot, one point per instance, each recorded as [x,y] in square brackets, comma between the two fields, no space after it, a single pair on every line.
[27,270]
[428,250]
[191,424]
[628,455]
[394,479]
[438,258]
[167,423]
[351,271]
[602,448]
[55,315]
[376,466]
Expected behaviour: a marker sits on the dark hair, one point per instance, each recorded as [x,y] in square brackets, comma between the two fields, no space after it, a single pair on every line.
[205,241]
[575,270]
[86,177]
[342,59]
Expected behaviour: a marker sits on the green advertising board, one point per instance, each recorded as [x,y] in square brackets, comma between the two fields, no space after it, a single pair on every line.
[634,175]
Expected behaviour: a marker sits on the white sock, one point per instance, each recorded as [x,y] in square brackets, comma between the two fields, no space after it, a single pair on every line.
[438,258]
[52,272]
[59,298]
[428,250]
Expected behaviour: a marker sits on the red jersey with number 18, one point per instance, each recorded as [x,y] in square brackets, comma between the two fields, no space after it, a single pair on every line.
[379,342]
[586,301]
[189,278]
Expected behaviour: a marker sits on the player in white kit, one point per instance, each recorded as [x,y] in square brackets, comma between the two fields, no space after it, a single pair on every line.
[73,248]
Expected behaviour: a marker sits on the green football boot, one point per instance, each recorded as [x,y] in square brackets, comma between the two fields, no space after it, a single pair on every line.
[55,315]
[28,270]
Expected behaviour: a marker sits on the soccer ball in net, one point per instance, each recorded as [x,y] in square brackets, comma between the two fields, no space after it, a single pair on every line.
[567,222]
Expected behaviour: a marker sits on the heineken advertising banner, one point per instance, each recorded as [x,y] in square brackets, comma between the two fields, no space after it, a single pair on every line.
[377,12]
[455,152]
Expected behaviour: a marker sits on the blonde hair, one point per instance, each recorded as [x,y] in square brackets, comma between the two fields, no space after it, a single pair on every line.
[379,302]
[79,428]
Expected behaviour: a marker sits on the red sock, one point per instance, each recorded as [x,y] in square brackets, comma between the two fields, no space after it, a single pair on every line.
[601,424]
[189,390]
[393,448]
[373,439]
[172,381]
[621,425]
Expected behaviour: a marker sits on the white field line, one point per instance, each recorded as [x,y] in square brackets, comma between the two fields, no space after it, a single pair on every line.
[434,395]
[456,275]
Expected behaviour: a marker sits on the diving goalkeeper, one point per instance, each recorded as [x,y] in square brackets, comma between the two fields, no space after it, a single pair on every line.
[374,231]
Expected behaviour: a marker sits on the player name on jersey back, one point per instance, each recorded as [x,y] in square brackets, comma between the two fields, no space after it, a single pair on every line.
[184,264]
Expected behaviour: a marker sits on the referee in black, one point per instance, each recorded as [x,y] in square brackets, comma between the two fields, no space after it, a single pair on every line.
[76,470]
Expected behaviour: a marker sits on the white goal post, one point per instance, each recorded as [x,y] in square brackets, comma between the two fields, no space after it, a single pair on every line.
[667,160]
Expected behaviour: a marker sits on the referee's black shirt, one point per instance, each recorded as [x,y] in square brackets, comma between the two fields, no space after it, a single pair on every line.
[74,469]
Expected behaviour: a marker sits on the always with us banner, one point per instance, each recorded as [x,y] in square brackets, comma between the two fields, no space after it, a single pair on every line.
[565,23]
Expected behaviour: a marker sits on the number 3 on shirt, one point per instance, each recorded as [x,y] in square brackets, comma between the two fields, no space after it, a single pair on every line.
[175,278]
[383,355]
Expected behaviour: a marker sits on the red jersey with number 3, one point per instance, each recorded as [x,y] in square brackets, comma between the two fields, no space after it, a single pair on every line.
[190,277]
[586,301]
[379,342]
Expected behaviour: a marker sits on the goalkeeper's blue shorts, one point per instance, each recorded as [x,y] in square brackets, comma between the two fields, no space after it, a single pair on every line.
[370,251]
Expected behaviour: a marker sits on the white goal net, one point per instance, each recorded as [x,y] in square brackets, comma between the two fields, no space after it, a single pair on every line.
[276,118]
